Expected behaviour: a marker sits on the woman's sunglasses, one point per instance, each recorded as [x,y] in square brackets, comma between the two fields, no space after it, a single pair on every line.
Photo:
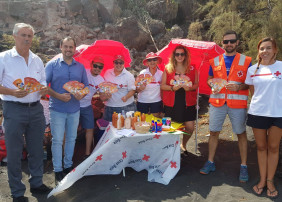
[152,59]
[178,54]
[98,66]
[119,63]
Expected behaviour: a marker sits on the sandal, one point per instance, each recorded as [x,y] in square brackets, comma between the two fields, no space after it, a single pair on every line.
[258,193]
[271,192]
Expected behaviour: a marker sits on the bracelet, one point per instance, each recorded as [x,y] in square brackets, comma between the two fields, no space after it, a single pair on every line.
[172,88]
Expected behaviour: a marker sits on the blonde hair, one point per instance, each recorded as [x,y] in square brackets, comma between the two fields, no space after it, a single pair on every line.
[170,67]
[274,46]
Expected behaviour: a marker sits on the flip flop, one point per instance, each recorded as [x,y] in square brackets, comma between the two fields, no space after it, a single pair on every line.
[258,188]
[271,192]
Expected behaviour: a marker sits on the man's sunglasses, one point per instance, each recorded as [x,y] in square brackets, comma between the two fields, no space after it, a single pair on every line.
[119,63]
[153,59]
[98,66]
[178,54]
[232,41]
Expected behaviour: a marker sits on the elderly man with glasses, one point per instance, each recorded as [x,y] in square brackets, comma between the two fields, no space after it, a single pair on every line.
[122,99]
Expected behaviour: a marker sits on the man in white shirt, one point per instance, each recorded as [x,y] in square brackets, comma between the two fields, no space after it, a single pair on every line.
[122,99]
[23,113]
[86,110]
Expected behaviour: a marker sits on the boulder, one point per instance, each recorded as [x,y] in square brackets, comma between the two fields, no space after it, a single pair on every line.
[132,34]
[162,10]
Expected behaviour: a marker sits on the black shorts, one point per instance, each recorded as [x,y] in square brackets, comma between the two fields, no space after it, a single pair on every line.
[181,115]
[153,107]
[263,122]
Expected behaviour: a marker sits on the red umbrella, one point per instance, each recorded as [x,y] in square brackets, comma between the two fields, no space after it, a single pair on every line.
[107,49]
[201,52]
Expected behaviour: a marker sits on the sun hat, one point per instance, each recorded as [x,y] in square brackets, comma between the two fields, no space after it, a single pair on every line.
[152,55]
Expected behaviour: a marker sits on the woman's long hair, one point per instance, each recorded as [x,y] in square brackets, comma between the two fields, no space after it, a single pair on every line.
[172,61]
[274,46]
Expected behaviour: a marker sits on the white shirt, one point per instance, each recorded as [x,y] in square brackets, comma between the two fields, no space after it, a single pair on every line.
[13,66]
[94,81]
[125,82]
[152,92]
[267,98]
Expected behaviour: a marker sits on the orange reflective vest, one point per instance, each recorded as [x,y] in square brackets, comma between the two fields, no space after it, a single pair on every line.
[237,75]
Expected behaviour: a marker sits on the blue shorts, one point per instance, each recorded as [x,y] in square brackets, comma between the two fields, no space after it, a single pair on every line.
[86,117]
[236,116]
[153,107]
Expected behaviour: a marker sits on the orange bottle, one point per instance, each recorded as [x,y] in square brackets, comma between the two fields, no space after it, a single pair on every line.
[143,117]
[114,119]
[133,121]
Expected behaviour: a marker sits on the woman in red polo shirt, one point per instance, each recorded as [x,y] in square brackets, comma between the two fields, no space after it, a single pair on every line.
[180,100]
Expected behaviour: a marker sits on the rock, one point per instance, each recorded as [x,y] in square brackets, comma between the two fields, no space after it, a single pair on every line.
[132,34]
[50,51]
[174,32]
[162,10]
[156,27]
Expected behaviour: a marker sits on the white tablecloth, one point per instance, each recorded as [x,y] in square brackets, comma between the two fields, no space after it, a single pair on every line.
[158,153]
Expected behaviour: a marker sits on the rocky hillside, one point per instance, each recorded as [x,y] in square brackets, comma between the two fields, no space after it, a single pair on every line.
[140,23]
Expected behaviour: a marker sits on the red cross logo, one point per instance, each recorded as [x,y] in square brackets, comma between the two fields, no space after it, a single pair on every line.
[96,87]
[99,158]
[120,85]
[123,155]
[192,68]
[277,73]
[176,143]
[157,136]
[173,164]
[240,74]
[146,158]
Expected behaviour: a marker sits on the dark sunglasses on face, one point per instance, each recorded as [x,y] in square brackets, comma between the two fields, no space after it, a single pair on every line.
[232,41]
[98,66]
[119,63]
[153,59]
[178,54]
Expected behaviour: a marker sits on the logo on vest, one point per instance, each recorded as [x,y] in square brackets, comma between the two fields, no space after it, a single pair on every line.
[192,67]
[240,73]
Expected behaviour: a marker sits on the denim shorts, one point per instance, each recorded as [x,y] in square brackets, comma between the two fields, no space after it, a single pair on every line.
[86,117]
[110,110]
[236,116]
[153,107]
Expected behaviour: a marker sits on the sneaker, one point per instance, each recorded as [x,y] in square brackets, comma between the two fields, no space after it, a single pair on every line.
[42,189]
[208,167]
[67,170]
[20,199]
[58,177]
[244,177]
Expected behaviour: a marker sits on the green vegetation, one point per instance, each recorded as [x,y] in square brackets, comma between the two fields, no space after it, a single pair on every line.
[7,42]
[252,20]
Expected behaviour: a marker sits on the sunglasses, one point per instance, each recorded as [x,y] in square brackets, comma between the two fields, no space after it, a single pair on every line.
[98,66]
[119,63]
[153,59]
[232,41]
[179,54]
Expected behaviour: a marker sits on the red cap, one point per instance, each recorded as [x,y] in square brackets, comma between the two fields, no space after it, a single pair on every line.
[150,56]
[98,59]
[118,57]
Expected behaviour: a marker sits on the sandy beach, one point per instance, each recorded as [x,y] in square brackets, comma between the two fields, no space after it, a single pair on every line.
[188,185]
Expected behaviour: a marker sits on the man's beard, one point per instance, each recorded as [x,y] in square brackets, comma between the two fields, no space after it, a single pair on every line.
[232,50]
